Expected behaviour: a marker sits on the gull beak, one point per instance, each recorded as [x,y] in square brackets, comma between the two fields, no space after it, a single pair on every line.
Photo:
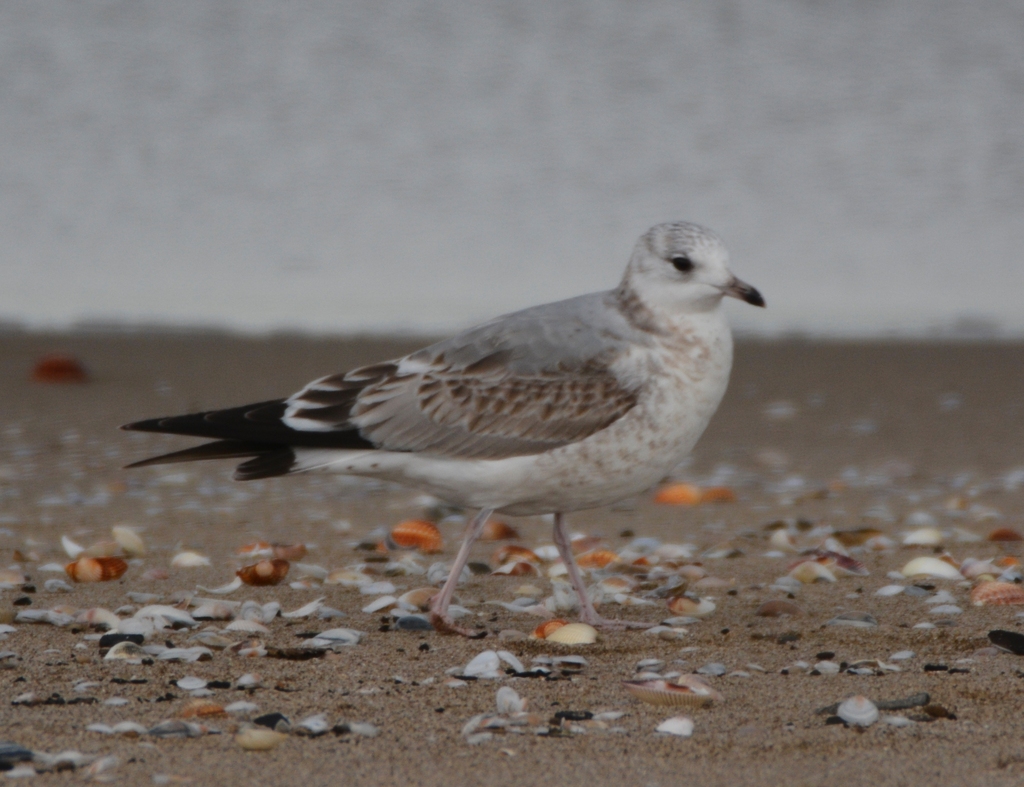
[743,291]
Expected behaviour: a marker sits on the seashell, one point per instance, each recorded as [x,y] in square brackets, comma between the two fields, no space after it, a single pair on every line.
[581,543]
[518,568]
[686,690]
[189,560]
[214,610]
[101,618]
[997,594]
[514,553]
[924,537]
[483,665]
[596,558]
[677,725]
[811,571]
[59,368]
[496,530]
[125,650]
[129,541]
[547,627]
[858,711]
[380,604]
[783,539]
[678,495]
[509,701]
[856,538]
[289,551]
[252,626]
[190,683]
[155,574]
[165,615]
[96,569]
[930,567]
[259,739]
[102,549]
[72,549]
[417,534]
[573,634]
[200,708]
[256,549]
[266,572]
[713,583]
[844,563]
[890,590]
[777,608]
[9,576]
[223,590]
[692,572]
[1004,534]
[418,598]
[347,577]
[306,610]
[617,584]
[683,605]
[717,494]
[312,570]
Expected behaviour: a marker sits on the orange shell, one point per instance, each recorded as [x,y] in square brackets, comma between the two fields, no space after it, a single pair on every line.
[59,368]
[997,594]
[598,558]
[511,552]
[266,572]
[419,597]
[585,544]
[544,629]
[96,569]
[1005,534]
[776,608]
[496,530]
[417,534]
[200,708]
[686,690]
[682,605]
[289,551]
[855,538]
[678,495]
[518,568]
[717,494]
[256,548]
[1006,561]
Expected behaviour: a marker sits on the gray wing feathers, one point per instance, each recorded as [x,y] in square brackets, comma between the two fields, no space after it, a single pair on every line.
[520,384]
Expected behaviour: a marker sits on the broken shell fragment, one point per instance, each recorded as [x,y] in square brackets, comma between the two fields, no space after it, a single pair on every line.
[546,628]
[129,541]
[513,553]
[997,594]
[96,569]
[266,572]
[858,711]
[924,537]
[496,530]
[189,560]
[686,690]
[931,567]
[677,725]
[259,739]
[811,571]
[596,558]
[678,495]
[573,634]
[1004,534]
[417,534]
[289,551]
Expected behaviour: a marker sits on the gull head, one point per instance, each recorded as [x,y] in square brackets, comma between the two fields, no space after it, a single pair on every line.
[684,267]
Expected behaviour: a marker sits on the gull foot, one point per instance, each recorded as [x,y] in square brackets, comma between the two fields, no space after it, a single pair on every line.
[445,625]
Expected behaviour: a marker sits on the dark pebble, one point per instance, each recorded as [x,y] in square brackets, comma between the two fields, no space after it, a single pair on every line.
[573,715]
[22,601]
[219,684]
[789,636]
[1007,640]
[935,668]
[109,640]
[478,568]
[28,587]
[825,655]
[12,753]
[913,701]
[275,721]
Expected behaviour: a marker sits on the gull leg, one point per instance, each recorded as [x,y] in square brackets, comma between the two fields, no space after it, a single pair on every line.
[587,612]
[439,603]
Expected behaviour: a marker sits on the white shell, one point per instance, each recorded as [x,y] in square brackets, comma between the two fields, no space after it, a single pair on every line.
[890,590]
[858,711]
[340,636]
[73,550]
[930,567]
[509,701]
[573,634]
[259,739]
[189,560]
[305,611]
[484,665]
[214,610]
[251,626]
[677,725]
[191,683]
[924,537]
[129,541]
[382,603]
[172,615]
[811,571]
[223,590]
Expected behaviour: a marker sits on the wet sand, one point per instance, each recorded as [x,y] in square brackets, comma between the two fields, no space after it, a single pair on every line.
[845,435]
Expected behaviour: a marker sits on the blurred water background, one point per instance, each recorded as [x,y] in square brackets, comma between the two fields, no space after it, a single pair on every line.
[417,166]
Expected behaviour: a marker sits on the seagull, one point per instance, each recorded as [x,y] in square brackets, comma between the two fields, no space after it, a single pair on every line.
[556,408]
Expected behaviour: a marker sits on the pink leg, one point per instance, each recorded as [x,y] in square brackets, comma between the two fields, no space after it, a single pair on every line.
[587,612]
[439,603]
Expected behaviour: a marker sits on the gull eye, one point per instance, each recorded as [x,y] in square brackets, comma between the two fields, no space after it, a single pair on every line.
[682,264]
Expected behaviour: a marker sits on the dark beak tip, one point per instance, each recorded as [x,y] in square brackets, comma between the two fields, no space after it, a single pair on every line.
[754,298]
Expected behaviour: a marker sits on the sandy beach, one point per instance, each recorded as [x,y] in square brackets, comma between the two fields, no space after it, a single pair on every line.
[819,436]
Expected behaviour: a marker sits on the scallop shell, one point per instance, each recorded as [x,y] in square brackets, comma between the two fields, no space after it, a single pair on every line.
[997,594]
[129,541]
[678,495]
[811,571]
[419,598]
[683,605]
[930,567]
[573,634]
[266,572]
[717,494]
[495,530]
[547,627]
[686,690]
[1005,534]
[59,368]
[596,558]
[259,739]
[189,560]
[417,534]
[924,537]
[513,552]
[858,711]
[289,551]
[96,569]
